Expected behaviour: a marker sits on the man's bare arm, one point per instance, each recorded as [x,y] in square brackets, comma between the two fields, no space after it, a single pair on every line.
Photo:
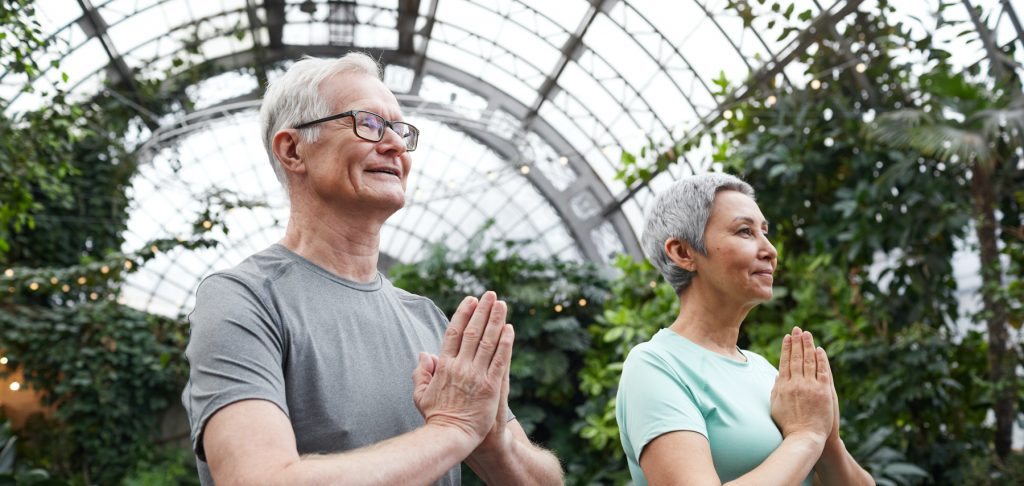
[251,442]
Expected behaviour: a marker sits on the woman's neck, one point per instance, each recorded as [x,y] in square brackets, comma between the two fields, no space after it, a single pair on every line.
[710,322]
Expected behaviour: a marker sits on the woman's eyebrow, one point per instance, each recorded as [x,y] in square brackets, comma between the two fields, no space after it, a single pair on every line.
[747,219]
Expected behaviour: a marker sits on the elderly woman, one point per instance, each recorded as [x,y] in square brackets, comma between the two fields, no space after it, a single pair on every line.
[692,407]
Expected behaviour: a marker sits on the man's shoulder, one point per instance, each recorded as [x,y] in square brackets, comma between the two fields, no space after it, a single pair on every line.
[253,275]
[414,301]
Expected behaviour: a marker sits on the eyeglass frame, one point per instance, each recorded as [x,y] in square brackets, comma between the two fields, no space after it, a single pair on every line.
[352,113]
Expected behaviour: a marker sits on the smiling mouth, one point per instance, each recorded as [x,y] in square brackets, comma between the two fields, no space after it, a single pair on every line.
[390,171]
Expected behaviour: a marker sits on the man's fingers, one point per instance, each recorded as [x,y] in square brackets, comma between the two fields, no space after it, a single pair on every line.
[423,373]
[787,349]
[503,355]
[475,328]
[492,332]
[453,335]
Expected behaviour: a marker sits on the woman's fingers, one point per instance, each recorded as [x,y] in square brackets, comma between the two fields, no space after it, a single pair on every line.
[787,350]
[796,360]
[823,374]
[810,358]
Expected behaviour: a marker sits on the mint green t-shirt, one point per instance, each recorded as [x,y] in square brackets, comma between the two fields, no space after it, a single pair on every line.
[672,384]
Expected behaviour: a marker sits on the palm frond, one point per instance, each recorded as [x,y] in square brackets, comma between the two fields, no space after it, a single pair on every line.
[1004,122]
[930,135]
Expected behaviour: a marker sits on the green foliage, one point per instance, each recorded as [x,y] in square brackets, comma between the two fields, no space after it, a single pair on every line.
[640,304]
[550,303]
[170,466]
[126,367]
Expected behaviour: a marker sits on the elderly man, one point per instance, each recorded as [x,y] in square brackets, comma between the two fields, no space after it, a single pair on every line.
[301,356]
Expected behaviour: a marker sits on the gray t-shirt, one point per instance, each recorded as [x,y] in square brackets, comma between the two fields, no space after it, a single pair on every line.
[335,356]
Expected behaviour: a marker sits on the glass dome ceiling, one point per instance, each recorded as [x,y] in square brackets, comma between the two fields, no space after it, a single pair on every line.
[525,105]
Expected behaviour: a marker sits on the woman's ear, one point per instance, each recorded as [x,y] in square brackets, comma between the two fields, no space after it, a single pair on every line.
[286,148]
[681,253]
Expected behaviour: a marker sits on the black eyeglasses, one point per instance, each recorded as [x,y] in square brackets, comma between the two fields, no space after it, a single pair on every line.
[370,126]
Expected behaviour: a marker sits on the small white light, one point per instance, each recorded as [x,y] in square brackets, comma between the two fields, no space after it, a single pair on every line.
[861,67]
[563,160]
[3,360]
[9,272]
[524,169]
[727,114]
[770,101]
[815,84]
[15,386]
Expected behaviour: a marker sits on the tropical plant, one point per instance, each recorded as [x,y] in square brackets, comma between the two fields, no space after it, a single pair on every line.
[966,124]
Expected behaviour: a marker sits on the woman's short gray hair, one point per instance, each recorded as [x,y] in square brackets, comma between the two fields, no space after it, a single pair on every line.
[295,98]
[682,212]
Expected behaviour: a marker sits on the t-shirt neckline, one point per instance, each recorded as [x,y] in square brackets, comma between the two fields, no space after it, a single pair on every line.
[690,345]
[375,284]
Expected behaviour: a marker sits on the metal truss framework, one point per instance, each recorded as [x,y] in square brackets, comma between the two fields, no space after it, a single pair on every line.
[582,144]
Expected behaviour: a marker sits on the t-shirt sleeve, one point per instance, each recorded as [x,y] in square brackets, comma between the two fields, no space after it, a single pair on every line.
[655,401]
[235,352]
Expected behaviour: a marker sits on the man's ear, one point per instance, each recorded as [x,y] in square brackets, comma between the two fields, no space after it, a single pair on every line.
[285,145]
[681,253]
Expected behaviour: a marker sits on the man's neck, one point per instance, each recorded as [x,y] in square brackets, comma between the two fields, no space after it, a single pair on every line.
[346,243]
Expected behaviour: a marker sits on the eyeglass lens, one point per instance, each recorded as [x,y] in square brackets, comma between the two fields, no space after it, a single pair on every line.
[371,127]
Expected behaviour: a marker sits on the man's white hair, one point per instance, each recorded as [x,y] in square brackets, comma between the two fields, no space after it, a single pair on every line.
[295,98]
[682,212]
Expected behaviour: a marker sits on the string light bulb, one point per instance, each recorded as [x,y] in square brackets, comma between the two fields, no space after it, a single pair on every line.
[127,264]
[653,284]
[558,307]
[3,360]
[9,272]
[65,288]
[524,169]
[15,386]
[105,270]
[53,280]
[583,302]
[207,224]
[861,67]
[82,280]
[94,296]
[815,84]
[34,286]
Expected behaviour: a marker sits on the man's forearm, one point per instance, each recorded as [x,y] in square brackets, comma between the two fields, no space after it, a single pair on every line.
[521,463]
[838,468]
[417,457]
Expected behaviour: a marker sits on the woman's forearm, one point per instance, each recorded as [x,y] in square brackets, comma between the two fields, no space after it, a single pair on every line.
[838,467]
[790,464]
